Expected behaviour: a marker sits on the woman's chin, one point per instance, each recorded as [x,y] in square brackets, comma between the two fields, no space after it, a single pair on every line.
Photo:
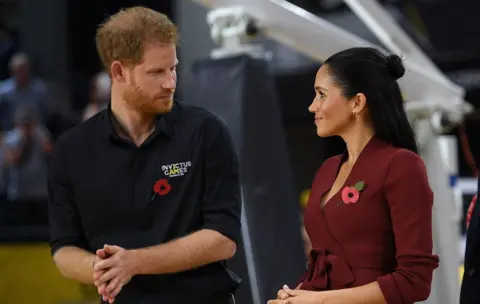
[323,133]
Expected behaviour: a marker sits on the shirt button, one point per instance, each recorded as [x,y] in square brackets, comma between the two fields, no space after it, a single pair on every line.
[471,271]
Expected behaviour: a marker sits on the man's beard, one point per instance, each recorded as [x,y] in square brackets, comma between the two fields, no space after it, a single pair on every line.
[139,100]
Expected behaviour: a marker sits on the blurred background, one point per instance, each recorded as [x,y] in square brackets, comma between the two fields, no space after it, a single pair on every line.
[51,79]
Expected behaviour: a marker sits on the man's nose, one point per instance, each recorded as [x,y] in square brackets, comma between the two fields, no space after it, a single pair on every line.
[170,82]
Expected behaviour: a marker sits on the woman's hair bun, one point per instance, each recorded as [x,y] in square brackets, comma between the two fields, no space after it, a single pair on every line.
[395,66]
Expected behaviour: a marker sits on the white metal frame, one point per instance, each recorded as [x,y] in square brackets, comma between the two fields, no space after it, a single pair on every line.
[431,96]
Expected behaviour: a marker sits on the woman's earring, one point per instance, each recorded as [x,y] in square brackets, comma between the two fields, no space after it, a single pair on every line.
[355,114]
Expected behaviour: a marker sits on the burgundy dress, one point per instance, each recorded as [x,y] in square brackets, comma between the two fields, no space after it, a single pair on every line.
[384,236]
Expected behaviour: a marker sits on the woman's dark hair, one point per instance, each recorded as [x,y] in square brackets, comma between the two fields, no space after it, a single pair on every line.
[368,71]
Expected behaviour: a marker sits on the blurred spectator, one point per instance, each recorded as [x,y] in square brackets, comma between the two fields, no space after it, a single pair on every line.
[2,176]
[99,95]
[7,49]
[26,149]
[21,88]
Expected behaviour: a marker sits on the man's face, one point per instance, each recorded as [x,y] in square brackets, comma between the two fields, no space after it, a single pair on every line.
[150,85]
[21,73]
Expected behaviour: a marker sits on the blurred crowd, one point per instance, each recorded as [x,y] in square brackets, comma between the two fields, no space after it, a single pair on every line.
[28,128]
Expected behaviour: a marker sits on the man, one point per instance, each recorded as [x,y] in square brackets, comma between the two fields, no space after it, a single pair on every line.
[22,88]
[148,185]
[27,148]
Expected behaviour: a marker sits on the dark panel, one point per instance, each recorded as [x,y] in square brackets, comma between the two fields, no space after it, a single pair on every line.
[451,24]
[242,91]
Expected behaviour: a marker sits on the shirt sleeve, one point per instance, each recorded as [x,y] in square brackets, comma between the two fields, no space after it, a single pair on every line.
[410,201]
[65,227]
[222,195]
[10,145]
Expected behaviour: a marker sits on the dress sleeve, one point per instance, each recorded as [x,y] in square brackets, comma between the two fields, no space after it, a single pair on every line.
[410,201]
[470,211]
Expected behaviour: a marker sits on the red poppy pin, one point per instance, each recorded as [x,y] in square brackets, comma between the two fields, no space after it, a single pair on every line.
[351,194]
[161,187]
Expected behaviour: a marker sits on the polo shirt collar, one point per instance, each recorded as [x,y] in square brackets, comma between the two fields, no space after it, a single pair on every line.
[163,124]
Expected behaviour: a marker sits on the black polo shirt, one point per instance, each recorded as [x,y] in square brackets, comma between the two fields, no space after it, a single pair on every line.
[183,178]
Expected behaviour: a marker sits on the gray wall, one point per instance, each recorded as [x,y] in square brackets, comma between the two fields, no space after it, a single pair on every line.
[195,41]
[42,27]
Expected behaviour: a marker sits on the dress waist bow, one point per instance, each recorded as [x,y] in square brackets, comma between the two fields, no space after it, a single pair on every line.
[327,271]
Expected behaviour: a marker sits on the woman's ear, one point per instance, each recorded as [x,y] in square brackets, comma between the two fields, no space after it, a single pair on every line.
[359,103]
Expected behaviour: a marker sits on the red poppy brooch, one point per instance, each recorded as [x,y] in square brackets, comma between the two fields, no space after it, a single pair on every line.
[161,187]
[351,194]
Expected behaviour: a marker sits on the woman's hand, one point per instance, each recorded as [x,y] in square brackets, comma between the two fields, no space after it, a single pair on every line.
[282,293]
[289,296]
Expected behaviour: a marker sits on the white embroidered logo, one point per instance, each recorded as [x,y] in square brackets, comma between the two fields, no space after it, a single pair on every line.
[177,169]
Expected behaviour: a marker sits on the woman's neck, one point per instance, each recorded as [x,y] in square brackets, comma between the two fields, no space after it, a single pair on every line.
[356,140]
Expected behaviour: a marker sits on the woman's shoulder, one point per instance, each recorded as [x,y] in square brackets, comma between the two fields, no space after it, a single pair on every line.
[385,154]
[388,154]
[401,163]
[384,160]
[401,156]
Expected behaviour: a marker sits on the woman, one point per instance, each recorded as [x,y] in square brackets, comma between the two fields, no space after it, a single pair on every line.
[369,215]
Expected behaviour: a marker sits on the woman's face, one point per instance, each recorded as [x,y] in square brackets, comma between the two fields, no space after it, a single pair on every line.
[333,112]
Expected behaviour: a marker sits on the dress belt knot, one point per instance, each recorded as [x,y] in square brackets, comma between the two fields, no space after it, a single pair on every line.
[327,271]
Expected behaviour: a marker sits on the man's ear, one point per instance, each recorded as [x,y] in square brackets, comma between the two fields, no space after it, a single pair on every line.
[118,70]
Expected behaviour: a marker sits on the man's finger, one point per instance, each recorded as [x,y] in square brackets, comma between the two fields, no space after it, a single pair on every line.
[107,276]
[111,249]
[104,264]
[101,288]
[96,281]
[98,274]
[116,292]
[112,285]
[101,253]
